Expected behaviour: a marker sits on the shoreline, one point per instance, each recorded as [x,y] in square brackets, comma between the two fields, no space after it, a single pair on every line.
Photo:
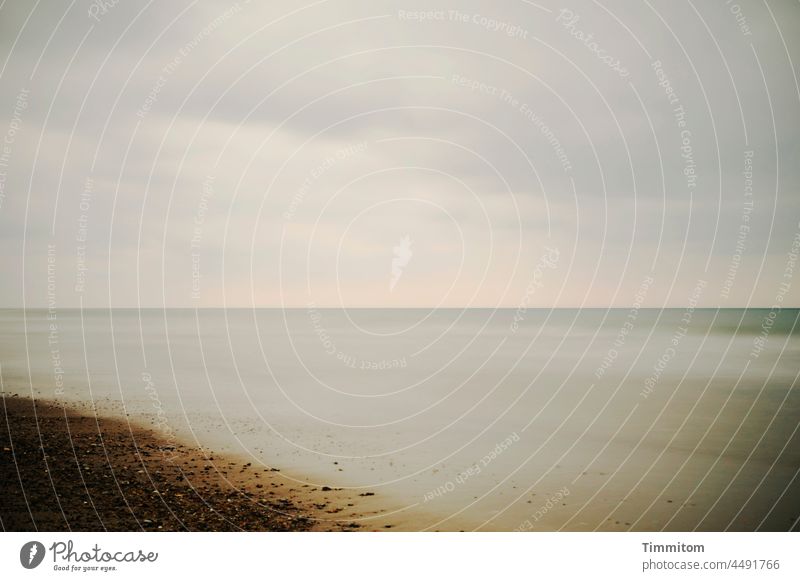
[64,469]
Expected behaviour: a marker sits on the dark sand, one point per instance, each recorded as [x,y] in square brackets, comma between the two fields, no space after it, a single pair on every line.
[67,470]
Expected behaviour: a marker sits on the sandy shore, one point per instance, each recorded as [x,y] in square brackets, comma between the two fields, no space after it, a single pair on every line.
[64,469]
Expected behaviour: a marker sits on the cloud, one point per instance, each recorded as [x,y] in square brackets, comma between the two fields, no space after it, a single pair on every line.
[296,144]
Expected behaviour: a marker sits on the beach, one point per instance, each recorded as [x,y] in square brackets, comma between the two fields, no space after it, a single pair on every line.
[65,469]
[440,420]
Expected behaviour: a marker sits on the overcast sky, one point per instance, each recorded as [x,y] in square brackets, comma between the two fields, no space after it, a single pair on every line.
[363,153]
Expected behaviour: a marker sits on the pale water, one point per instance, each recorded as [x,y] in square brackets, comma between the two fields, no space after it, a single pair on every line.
[574,419]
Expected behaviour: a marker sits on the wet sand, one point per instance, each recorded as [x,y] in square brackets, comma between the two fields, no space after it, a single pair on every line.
[69,469]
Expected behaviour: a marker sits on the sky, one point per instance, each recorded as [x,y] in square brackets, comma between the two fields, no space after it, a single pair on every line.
[394,154]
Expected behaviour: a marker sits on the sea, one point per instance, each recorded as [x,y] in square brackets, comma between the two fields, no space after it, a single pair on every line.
[457,419]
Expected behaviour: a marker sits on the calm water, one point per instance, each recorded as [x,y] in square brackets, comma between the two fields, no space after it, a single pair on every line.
[647,420]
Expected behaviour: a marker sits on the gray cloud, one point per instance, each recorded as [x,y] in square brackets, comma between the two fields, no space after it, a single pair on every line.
[480,119]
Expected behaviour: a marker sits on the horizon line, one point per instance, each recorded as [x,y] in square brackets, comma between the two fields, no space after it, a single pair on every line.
[342,308]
